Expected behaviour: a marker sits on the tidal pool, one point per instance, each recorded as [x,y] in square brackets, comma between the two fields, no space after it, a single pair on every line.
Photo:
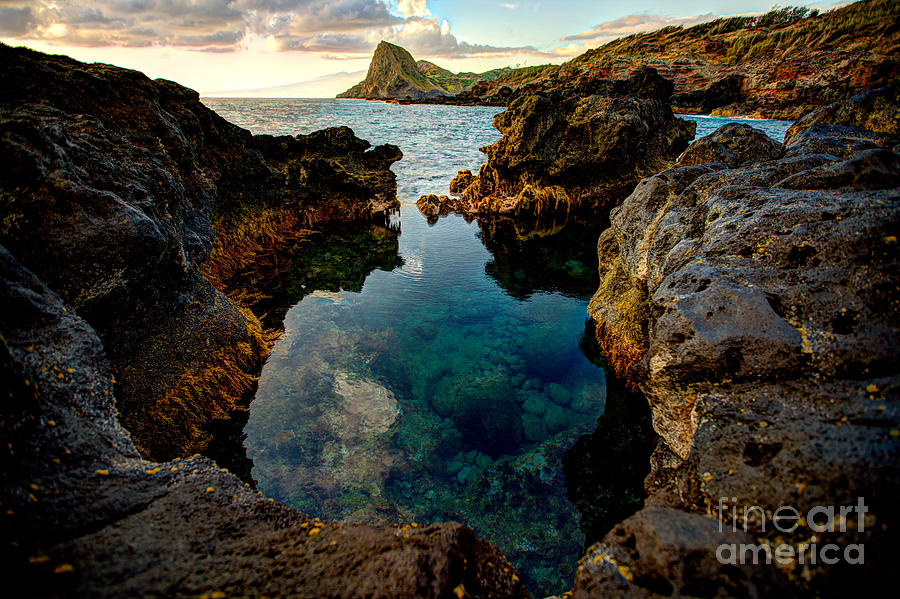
[451,383]
[446,389]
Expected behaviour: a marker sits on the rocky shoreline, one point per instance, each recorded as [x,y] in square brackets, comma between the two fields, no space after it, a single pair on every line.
[128,207]
[749,292]
[777,65]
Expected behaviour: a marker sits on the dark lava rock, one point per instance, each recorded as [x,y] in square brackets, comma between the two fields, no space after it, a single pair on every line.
[663,552]
[84,515]
[133,201]
[876,112]
[579,152]
[733,144]
[755,305]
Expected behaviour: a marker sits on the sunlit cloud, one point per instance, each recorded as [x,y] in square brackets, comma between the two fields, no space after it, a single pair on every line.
[413,8]
[623,26]
[340,28]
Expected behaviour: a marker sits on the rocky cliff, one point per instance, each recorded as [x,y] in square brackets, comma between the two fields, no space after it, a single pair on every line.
[127,206]
[751,294]
[778,65]
[394,74]
[567,154]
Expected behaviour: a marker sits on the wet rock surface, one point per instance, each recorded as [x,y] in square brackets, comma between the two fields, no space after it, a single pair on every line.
[573,153]
[117,192]
[753,300]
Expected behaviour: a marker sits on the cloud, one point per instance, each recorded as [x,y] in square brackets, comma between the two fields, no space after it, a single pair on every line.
[336,27]
[203,24]
[413,8]
[16,20]
[423,37]
[636,23]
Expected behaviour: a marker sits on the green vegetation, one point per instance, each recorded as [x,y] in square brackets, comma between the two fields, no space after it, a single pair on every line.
[868,25]
[525,75]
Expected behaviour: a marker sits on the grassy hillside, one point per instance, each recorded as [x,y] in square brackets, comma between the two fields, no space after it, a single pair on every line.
[777,64]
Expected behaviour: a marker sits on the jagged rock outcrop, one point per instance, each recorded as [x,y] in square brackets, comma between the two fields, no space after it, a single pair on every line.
[395,74]
[580,153]
[753,300]
[133,202]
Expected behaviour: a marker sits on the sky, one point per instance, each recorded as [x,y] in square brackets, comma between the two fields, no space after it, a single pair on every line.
[317,48]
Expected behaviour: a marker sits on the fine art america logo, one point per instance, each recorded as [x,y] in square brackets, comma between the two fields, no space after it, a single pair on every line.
[820,519]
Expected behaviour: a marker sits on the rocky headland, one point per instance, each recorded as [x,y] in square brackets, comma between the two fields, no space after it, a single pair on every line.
[572,154]
[394,73]
[779,65]
[751,294]
[128,212]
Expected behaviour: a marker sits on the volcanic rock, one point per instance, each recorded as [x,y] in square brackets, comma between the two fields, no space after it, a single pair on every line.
[123,201]
[579,153]
[753,300]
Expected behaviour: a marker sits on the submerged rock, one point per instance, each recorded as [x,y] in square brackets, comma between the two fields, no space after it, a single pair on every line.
[753,301]
[84,515]
[484,410]
[575,153]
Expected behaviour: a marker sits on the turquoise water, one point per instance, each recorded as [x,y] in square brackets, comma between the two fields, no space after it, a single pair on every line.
[449,387]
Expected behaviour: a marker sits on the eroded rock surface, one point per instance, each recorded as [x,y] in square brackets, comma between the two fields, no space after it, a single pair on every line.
[753,299]
[573,153]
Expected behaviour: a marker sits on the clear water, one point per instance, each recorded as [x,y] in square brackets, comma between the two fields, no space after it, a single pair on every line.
[449,387]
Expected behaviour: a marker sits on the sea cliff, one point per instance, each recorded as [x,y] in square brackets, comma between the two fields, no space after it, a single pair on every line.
[778,65]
